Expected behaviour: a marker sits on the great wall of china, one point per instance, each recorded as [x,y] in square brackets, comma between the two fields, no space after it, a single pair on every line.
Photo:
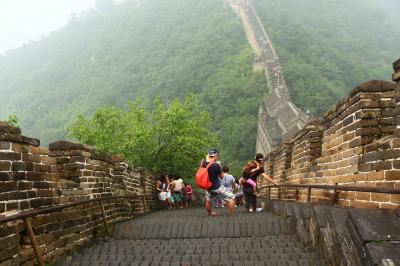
[357,144]
[278,117]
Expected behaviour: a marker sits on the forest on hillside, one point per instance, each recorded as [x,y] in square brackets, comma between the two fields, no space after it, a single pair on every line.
[143,49]
[328,47]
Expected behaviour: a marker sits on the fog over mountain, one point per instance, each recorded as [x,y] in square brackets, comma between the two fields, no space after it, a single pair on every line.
[139,49]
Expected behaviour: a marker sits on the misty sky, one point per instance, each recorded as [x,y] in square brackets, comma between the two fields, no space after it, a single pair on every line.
[24,20]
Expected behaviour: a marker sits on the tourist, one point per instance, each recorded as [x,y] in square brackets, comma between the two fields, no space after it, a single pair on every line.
[168,192]
[170,189]
[228,181]
[177,187]
[239,193]
[161,189]
[252,175]
[216,190]
[189,191]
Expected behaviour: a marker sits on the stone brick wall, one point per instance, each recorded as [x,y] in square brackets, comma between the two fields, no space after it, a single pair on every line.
[34,177]
[357,143]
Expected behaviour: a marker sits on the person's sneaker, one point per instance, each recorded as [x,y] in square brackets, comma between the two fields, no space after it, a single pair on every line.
[250,210]
[259,209]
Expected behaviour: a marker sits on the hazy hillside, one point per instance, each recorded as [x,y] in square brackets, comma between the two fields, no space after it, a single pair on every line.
[116,53]
[129,51]
[328,47]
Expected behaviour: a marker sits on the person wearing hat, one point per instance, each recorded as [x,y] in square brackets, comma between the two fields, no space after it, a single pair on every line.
[248,187]
[215,175]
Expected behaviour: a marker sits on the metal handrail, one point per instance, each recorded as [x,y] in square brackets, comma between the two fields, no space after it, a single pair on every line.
[25,215]
[331,187]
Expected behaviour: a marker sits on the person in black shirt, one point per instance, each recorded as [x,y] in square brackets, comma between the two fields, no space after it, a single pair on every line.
[215,174]
[248,190]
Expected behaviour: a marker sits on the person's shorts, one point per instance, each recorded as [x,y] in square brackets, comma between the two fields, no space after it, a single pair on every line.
[162,196]
[178,197]
[168,194]
[221,192]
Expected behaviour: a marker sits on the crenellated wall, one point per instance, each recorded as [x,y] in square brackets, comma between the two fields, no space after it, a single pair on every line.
[34,177]
[357,143]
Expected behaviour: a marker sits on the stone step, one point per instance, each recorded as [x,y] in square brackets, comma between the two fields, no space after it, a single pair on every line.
[194,223]
[285,250]
[190,237]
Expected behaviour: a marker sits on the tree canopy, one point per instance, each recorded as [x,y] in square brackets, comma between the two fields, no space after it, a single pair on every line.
[170,139]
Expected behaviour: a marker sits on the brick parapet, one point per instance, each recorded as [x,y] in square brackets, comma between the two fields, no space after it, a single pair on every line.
[355,144]
[35,177]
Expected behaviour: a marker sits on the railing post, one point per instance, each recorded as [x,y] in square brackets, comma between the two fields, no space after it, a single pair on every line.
[297,194]
[279,193]
[106,231]
[34,243]
[269,193]
[144,203]
[336,195]
[309,195]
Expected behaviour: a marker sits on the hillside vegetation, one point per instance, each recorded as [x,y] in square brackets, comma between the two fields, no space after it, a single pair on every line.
[143,49]
[119,53]
[328,47]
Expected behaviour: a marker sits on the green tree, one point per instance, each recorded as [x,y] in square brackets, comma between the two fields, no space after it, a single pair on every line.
[170,139]
[13,120]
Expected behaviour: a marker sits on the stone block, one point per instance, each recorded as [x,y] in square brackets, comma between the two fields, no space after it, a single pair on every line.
[8,186]
[30,141]
[22,166]
[10,137]
[8,128]
[42,167]
[32,176]
[64,145]
[396,76]
[375,224]
[10,156]
[392,175]
[5,166]
[383,253]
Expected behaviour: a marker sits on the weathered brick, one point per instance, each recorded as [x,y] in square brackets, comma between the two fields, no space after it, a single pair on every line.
[48,160]
[8,186]
[380,197]
[5,145]
[32,176]
[73,166]
[42,167]
[5,176]
[24,205]
[11,206]
[5,166]
[364,204]
[18,147]
[25,185]
[11,156]
[389,154]
[41,184]
[392,175]
[22,166]
[380,166]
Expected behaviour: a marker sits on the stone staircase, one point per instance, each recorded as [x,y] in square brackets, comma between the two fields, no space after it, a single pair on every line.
[189,237]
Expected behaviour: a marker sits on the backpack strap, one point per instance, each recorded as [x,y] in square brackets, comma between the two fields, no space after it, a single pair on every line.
[208,165]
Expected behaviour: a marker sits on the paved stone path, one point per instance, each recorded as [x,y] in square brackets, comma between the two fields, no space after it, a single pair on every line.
[189,237]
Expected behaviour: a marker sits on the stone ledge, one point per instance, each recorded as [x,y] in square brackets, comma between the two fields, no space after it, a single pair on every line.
[355,236]
[65,145]
[396,65]
[8,128]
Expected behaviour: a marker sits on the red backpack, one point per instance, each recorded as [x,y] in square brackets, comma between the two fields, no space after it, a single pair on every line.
[202,180]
